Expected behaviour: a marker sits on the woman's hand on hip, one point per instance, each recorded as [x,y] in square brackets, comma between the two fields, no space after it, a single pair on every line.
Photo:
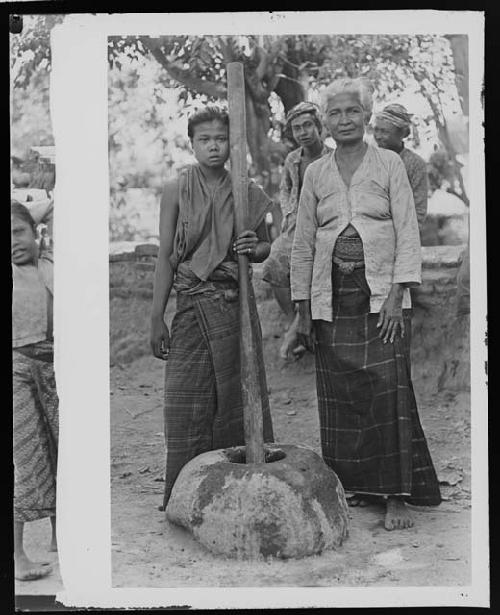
[390,319]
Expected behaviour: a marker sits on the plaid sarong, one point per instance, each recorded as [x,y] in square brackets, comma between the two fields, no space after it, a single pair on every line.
[35,430]
[203,405]
[371,434]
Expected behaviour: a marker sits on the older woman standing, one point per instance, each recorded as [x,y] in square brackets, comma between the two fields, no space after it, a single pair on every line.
[355,254]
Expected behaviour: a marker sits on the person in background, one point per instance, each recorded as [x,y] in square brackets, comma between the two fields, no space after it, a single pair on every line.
[392,126]
[304,122]
[35,401]
[356,252]
[198,257]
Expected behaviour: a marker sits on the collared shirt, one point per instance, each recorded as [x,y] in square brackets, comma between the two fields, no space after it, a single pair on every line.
[379,205]
[290,189]
[416,170]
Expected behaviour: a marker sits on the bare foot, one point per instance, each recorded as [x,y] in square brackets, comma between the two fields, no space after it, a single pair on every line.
[26,570]
[397,516]
[357,500]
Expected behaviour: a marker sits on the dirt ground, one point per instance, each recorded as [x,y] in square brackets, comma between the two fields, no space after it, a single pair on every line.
[147,551]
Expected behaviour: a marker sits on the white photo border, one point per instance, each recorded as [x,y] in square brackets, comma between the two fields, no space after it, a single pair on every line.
[79,108]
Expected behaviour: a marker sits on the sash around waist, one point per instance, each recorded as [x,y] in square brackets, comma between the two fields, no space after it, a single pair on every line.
[42,351]
[348,249]
[222,281]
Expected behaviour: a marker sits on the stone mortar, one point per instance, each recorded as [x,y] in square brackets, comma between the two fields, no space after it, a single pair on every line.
[288,508]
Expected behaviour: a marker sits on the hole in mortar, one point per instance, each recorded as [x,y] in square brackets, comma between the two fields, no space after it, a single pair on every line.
[238,455]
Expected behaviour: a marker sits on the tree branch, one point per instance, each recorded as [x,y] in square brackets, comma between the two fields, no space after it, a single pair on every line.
[262,64]
[186,77]
[445,139]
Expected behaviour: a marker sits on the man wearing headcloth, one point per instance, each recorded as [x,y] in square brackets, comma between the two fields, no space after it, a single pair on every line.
[198,258]
[392,125]
[304,123]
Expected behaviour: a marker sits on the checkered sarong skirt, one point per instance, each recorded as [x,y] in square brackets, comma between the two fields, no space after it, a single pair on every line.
[203,408]
[371,434]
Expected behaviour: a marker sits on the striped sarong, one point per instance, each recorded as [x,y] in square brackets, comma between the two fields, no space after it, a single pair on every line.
[35,430]
[203,405]
[371,434]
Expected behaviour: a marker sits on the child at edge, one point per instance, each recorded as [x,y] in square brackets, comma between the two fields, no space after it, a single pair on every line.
[35,401]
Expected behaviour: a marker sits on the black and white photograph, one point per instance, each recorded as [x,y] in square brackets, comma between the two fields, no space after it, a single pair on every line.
[246,348]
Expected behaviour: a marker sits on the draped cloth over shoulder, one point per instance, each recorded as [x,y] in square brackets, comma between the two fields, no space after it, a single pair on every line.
[205,226]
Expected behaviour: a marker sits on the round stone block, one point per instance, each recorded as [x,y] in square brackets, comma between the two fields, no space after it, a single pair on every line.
[291,506]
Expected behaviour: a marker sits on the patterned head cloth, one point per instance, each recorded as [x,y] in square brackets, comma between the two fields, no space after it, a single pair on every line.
[304,107]
[398,116]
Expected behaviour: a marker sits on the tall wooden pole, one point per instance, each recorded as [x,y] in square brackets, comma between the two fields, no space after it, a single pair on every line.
[250,382]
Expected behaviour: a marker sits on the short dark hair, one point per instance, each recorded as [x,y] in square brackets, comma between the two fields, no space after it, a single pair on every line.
[210,113]
[18,210]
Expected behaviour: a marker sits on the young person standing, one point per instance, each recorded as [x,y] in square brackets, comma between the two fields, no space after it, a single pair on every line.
[198,258]
[35,401]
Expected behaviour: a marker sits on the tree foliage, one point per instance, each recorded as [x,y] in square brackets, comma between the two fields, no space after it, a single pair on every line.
[30,51]
[280,71]
[291,67]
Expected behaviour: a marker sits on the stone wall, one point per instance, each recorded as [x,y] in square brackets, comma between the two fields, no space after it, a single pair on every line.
[440,338]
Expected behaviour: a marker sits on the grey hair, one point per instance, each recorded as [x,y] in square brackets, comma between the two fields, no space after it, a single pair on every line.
[360,87]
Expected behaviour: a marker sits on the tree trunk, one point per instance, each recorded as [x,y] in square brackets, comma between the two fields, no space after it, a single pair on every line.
[258,124]
[266,154]
[447,144]
[459,50]
[290,90]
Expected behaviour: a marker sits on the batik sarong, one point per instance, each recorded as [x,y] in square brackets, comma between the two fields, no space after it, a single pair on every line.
[371,434]
[35,429]
[203,405]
